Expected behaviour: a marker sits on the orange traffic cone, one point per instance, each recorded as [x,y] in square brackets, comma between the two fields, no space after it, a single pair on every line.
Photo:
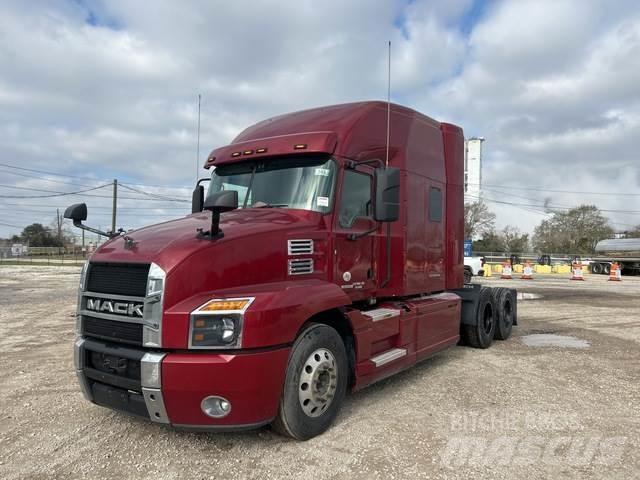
[527,272]
[615,275]
[506,271]
[576,269]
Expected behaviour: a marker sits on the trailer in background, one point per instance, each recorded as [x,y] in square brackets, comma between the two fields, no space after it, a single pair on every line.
[623,251]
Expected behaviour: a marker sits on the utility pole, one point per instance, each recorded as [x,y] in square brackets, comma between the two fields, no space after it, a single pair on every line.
[59,229]
[115,205]
[198,143]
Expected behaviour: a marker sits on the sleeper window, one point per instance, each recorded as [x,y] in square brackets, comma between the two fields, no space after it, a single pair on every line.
[435,204]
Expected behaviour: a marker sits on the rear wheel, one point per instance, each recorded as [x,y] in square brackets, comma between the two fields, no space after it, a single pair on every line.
[606,268]
[481,334]
[596,268]
[315,383]
[504,303]
[467,275]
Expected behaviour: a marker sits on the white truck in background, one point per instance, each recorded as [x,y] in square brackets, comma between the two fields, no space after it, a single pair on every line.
[473,266]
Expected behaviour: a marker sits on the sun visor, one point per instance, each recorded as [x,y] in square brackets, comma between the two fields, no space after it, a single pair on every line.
[297,143]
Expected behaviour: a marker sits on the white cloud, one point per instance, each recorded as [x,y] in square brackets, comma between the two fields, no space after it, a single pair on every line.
[552,85]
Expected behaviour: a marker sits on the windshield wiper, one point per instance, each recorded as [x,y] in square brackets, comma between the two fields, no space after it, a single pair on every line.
[271,205]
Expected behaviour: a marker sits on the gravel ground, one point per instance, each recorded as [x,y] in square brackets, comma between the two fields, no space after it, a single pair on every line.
[516,410]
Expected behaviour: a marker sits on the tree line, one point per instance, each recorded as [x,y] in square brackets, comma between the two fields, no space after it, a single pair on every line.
[577,230]
[39,235]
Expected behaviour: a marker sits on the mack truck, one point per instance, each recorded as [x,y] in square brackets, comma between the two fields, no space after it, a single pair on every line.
[325,254]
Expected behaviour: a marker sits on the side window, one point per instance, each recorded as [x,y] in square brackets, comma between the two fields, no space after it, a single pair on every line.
[356,197]
[435,204]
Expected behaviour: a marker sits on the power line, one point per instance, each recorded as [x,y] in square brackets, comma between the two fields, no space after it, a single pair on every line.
[43,179]
[86,178]
[9,225]
[19,212]
[152,195]
[551,207]
[91,207]
[60,194]
[541,189]
[55,193]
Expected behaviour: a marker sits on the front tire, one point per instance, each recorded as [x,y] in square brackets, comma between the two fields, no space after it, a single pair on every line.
[315,383]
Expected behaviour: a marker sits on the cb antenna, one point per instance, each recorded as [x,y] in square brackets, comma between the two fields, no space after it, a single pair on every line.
[388,103]
[198,142]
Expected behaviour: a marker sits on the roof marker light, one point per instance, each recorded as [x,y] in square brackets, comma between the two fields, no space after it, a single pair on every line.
[300,146]
[261,150]
[236,154]
[247,152]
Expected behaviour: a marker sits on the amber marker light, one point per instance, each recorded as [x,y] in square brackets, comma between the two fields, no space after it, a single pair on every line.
[300,146]
[225,305]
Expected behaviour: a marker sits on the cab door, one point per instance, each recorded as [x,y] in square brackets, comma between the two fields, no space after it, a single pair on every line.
[354,230]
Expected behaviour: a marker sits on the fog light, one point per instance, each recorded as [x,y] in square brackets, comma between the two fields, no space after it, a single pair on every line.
[215,407]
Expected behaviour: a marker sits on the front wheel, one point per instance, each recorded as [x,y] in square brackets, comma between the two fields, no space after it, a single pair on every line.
[315,383]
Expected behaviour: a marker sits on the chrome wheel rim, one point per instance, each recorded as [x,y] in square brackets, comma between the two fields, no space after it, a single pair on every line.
[318,382]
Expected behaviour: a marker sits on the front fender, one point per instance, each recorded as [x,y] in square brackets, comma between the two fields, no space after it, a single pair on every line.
[274,318]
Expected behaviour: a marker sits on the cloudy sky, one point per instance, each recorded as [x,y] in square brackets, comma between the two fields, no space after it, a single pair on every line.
[96,90]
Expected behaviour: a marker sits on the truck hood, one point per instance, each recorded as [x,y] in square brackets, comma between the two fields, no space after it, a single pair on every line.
[169,243]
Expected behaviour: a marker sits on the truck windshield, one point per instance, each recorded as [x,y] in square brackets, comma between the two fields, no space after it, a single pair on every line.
[295,182]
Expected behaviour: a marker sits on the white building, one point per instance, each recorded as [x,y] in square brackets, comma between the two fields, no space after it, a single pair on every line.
[473,169]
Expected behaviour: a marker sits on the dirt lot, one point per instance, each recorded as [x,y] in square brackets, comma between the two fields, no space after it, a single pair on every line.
[514,411]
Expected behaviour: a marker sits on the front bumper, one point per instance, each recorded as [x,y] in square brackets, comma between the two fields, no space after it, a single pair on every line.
[168,387]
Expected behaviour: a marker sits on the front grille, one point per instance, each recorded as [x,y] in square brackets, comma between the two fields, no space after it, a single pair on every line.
[118,278]
[112,330]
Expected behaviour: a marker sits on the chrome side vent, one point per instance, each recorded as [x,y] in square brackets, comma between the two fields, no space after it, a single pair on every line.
[300,266]
[300,246]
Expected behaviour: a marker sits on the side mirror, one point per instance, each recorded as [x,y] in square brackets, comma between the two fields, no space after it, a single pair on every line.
[387,206]
[197,199]
[218,203]
[76,212]
[222,201]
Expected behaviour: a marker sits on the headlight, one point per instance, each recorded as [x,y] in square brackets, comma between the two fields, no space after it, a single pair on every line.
[152,319]
[218,323]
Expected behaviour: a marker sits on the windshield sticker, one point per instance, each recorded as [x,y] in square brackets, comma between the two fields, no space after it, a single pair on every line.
[322,201]
[322,172]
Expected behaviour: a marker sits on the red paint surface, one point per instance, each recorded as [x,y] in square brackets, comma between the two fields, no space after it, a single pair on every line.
[251,382]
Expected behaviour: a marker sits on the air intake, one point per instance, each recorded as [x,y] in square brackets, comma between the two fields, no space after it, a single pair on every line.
[300,247]
[300,266]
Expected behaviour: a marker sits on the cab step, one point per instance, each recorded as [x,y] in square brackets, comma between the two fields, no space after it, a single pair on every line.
[381,313]
[389,356]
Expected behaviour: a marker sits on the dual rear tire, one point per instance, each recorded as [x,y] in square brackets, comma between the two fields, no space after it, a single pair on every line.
[495,317]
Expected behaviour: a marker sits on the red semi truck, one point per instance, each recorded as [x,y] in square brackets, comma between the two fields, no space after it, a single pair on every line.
[327,254]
